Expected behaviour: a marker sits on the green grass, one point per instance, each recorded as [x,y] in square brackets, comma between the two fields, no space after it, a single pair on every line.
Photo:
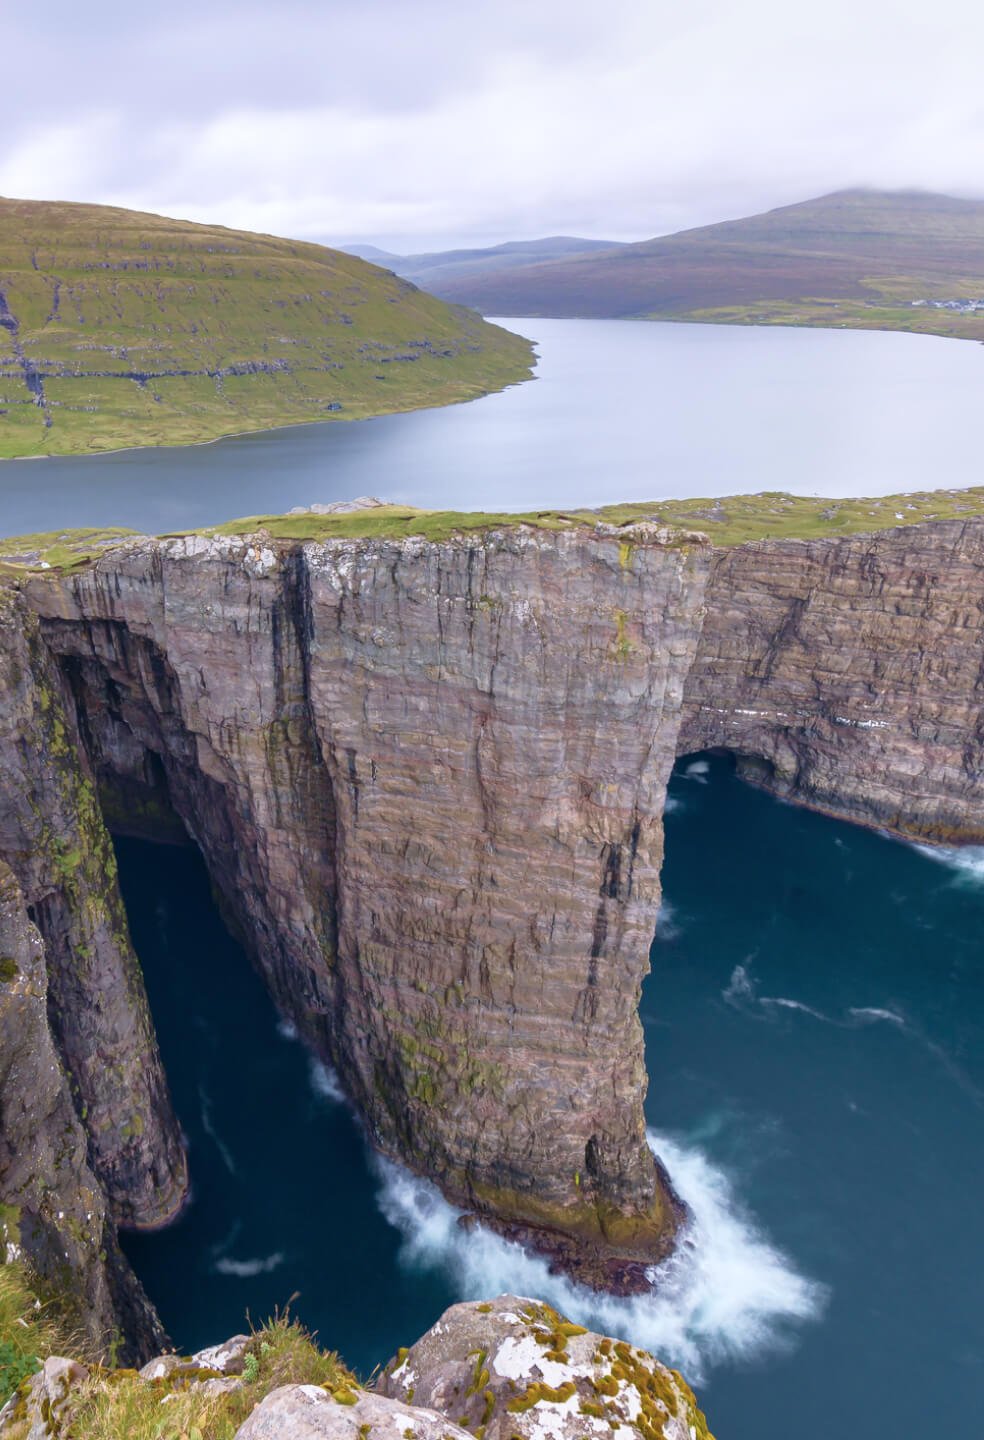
[733,520]
[61,550]
[117,1405]
[27,1332]
[99,295]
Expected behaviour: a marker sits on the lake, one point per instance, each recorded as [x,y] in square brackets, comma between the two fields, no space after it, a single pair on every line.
[814,1025]
[620,410]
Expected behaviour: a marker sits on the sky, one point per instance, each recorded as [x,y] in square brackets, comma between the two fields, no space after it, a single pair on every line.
[425,124]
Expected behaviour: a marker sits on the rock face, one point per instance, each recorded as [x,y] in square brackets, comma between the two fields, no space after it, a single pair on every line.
[428,780]
[53,838]
[307,1412]
[54,1209]
[514,1369]
[847,674]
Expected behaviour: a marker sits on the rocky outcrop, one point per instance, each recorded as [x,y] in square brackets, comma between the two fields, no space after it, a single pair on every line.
[847,675]
[53,838]
[54,1211]
[513,1369]
[427,778]
[307,1412]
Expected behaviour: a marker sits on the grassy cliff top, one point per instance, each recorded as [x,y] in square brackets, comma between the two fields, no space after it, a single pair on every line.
[734,520]
[119,328]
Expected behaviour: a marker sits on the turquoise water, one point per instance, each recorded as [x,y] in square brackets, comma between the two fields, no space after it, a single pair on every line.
[620,410]
[814,1023]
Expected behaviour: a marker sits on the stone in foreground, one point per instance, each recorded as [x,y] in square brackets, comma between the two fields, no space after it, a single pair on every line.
[513,1369]
[306,1412]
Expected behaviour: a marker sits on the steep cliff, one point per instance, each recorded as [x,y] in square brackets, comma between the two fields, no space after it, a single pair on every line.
[427,777]
[53,1209]
[847,674]
[427,780]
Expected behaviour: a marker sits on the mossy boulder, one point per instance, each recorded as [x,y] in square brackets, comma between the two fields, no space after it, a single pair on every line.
[514,1369]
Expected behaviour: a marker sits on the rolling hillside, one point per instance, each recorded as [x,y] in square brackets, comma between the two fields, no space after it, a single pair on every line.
[119,328]
[857,258]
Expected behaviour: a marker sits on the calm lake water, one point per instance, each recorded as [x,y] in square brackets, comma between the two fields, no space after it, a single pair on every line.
[620,410]
[814,1024]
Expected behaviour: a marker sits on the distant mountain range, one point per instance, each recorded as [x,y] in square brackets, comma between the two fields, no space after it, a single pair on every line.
[881,260]
[433,270]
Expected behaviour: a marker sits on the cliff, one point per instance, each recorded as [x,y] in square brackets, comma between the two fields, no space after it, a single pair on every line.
[427,777]
[509,1369]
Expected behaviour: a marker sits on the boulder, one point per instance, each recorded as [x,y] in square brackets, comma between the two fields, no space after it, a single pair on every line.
[306,1412]
[513,1367]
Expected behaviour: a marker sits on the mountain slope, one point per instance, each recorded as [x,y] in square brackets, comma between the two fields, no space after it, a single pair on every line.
[119,328]
[853,258]
[439,269]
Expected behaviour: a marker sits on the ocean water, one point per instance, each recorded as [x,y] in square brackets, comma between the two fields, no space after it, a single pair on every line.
[813,1023]
[619,410]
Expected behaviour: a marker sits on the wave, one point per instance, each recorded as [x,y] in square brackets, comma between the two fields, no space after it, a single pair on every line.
[286,1029]
[698,770]
[324,1081]
[205,1110]
[967,862]
[873,1013]
[245,1269]
[667,926]
[741,992]
[725,1294]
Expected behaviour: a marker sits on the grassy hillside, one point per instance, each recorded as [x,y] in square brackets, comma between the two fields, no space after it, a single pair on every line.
[857,258]
[733,520]
[118,328]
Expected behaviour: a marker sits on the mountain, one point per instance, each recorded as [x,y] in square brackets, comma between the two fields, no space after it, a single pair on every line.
[119,328]
[858,258]
[442,269]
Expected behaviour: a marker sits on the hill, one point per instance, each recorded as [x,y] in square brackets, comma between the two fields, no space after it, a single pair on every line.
[857,258]
[435,270]
[119,328]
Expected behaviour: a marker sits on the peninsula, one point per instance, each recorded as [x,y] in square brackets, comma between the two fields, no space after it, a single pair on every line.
[119,328]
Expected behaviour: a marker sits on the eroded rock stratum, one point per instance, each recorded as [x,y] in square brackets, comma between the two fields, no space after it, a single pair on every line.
[428,778]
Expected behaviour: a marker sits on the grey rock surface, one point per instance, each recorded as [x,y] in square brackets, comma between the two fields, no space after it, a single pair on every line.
[306,1412]
[513,1367]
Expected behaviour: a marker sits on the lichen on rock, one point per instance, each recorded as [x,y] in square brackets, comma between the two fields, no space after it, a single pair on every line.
[514,1367]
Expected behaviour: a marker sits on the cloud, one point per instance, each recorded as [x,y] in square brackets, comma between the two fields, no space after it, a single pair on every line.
[438,123]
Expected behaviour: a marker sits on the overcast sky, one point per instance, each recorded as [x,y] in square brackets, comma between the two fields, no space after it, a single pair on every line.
[421,124]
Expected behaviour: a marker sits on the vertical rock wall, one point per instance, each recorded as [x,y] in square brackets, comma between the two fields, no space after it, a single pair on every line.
[428,780]
[53,839]
[53,1209]
[849,674]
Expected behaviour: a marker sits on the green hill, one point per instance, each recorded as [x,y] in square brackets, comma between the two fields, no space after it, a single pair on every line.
[856,258]
[119,328]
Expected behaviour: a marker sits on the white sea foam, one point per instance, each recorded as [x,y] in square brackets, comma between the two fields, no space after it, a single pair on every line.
[286,1029]
[244,1269]
[667,925]
[726,1293]
[873,1013]
[671,805]
[697,770]
[967,862]
[324,1082]
[210,1130]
